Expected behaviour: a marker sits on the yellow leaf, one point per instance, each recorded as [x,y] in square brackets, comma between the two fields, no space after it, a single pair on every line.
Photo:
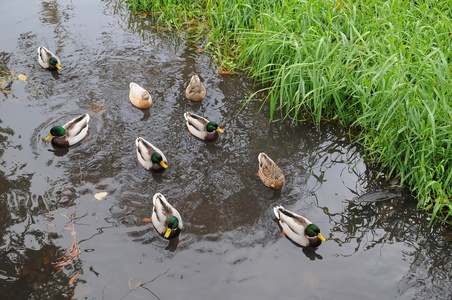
[100,196]
[73,278]
[22,77]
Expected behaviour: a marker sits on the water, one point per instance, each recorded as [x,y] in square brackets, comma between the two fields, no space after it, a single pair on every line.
[231,246]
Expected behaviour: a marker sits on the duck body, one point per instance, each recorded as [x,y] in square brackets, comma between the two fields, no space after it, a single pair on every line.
[202,128]
[297,228]
[269,172]
[48,60]
[195,90]
[149,156]
[165,218]
[70,133]
[139,96]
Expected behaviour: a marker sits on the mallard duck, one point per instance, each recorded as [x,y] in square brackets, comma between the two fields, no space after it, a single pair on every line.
[139,96]
[195,90]
[70,133]
[47,59]
[201,127]
[166,219]
[269,172]
[299,229]
[149,156]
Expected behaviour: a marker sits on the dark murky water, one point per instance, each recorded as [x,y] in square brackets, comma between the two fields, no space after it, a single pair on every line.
[231,247]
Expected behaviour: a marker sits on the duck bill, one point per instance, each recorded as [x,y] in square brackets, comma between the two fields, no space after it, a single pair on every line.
[274,184]
[162,163]
[58,66]
[220,130]
[167,233]
[321,237]
[49,136]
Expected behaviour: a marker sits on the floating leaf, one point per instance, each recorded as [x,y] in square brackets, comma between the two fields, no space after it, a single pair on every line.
[73,278]
[147,220]
[22,77]
[100,196]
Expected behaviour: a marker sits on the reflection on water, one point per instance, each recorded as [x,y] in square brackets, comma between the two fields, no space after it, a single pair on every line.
[231,245]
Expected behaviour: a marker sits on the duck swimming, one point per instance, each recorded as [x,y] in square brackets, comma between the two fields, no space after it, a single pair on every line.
[201,127]
[139,96]
[269,172]
[299,229]
[70,133]
[165,218]
[149,156]
[195,90]
[48,60]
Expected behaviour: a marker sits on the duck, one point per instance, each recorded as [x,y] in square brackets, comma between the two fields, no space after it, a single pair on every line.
[150,156]
[70,133]
[195,90]
[269,172]
[48,60]
[297,228]
[139,96]
[165,218]
[202,128]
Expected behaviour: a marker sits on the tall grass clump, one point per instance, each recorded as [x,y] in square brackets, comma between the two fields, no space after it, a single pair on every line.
[381,66]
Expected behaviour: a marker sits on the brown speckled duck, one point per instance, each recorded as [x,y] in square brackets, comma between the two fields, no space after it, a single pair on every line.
[195,90]
[269,172]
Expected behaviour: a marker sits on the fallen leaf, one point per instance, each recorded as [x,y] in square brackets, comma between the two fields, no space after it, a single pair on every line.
[22,77]
[147,220]
[73,278]
[295,188]
[89,185]
[130,284]
[101,195]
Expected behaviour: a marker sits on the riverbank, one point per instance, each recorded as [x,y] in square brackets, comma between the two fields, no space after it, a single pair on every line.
[378,66]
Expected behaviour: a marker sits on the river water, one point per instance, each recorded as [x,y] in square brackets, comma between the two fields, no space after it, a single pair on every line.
[231,247]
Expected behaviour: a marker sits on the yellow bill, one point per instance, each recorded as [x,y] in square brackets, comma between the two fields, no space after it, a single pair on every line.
[58,66]
[49,136]
[167,233]
[321,237]
[162,163]
[219,129]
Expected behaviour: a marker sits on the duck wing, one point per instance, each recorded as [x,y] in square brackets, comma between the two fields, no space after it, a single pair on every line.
[77,125]
[295,222]
[198,122]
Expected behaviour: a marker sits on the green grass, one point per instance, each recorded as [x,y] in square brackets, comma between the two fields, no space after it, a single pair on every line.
[383,67]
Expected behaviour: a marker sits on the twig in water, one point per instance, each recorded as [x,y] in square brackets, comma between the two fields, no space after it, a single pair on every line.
[143,285]
[71,254]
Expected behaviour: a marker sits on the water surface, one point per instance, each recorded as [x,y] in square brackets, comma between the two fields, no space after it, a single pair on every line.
[231,246]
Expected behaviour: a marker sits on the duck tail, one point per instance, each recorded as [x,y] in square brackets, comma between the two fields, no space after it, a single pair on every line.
[156,196]
[276,211]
